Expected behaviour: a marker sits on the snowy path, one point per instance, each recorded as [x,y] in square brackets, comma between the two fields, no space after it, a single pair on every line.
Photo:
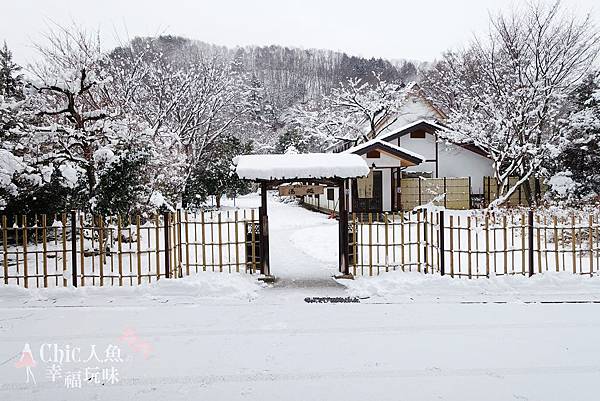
[277,347]
[304,246]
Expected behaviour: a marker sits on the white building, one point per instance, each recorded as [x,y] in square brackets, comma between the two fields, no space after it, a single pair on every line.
[411,146]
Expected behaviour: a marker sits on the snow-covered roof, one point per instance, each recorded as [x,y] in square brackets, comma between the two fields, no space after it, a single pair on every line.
[389,147]
[297,166]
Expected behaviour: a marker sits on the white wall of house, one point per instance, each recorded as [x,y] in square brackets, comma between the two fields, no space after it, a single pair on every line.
[456,161]
[453,160]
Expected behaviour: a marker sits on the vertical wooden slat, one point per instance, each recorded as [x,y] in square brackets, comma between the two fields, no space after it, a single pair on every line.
[157,246]
[236,241]
[195,225]
[203,236]
[25,261]
[16,230]
[487,244]
[505,243]
[386,239]
[523,243]
[187,244]
[556,253]
[370,244]
[138,250]
[253,245]
[573,245]
[227,224]
[354,229]
[402,242]
[5,248]
[44,251]
[64,248]
[220,239]
[539,243]
[81,250]
[591,243]
[101,248]
[452,246]
[418,239]
[546,253]
[35,228]
[109,238]
[469,263]
[120,250]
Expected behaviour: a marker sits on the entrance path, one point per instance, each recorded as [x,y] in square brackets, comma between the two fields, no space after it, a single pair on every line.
[303,246]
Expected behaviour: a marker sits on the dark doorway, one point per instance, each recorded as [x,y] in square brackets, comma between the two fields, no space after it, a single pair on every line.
[374,204]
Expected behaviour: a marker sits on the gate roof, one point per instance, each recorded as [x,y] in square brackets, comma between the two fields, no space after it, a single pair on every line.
[300,166]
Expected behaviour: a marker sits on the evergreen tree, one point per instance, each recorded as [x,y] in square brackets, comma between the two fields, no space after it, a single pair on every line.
[579,161]
[215,177]
[11,81]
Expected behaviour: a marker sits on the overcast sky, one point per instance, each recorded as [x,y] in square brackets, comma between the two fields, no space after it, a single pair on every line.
[417,29]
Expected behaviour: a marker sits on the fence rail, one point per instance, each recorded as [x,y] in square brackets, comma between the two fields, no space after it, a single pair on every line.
[75,249]
[475,243]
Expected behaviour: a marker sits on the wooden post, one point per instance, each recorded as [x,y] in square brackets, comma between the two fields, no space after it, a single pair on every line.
[469,263]
[138,249]
[74,247]
[25,261]
[5,248]
[343,222]
[442,242]
[531,247]
[166,220]
[264,230]
[44,251]
[573,244]
[120,250]
[452,246]
[487,246]
[591,243]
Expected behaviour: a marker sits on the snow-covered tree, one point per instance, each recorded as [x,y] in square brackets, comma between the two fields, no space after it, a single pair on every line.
[11,79]
[506,92]
[357,110]
[576,172]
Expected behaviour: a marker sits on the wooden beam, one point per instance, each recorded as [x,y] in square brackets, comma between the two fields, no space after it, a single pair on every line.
[343,226]
[264,230]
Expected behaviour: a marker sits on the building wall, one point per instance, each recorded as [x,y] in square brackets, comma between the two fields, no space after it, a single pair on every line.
[453,160]
[456,161]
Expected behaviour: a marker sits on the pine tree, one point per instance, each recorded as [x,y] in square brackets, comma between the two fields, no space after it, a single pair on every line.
[579,160]
[11,81]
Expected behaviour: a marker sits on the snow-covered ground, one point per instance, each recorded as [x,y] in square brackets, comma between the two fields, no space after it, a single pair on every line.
[221,336]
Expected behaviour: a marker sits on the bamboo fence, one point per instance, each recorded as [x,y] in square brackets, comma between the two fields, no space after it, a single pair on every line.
[74,249]
[476,243]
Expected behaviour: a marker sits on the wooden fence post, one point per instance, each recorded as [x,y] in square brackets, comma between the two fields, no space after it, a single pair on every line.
[74,247]
[530,239]
[166,222]
[5,248]
[442,243]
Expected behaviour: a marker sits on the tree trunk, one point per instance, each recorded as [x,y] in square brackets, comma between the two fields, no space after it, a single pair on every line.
[218,200]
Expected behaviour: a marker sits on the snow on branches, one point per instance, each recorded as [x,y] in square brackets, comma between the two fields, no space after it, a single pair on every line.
[505,93]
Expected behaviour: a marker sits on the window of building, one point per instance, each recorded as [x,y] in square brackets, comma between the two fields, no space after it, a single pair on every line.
[330,194]
[418,134]
[373,154]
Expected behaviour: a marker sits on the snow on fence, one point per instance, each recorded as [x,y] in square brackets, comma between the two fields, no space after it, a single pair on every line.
[475,243]
[73,249]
